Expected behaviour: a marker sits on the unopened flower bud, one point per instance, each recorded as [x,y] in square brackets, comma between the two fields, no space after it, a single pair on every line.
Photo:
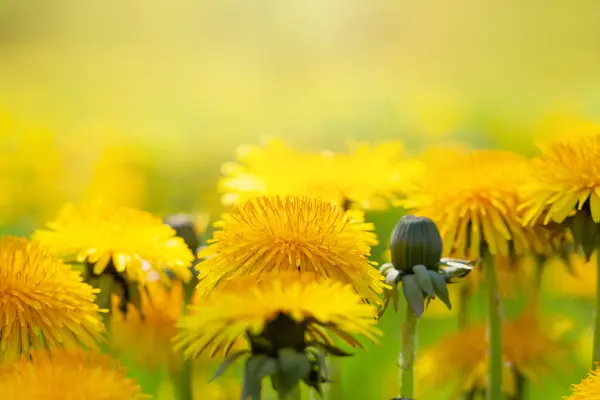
[415,241]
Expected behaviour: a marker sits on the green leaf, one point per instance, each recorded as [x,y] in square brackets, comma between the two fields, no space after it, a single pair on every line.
[424,279]
[231,359]
[413,294]
[257,367]
[293,366]
[441,288]
[330,349]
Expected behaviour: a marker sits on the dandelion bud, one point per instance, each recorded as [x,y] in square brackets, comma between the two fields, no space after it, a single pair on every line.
[415,241]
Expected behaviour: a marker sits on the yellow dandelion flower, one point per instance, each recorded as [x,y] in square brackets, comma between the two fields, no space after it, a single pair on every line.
[529,348]
[67,375]
[43,303]
[298,234]
[125,239]
[282,313]
[146,335]
[368,175]
[566,178]
[588,388]
[477,208]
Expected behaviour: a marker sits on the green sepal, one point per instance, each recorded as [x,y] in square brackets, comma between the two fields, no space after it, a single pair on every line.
[257,367]
[105,283]
[585,233]
[292,367]
[228,361]
[413,294]
[424,279]
[318,369]
[441,288]
[329,349]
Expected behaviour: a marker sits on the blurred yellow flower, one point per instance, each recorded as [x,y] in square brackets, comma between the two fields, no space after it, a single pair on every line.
[43,303]
[311,309]
[107,236]
[30,173]
[67,375]
[529,348]
[472,196]
[366,175]
[588,388]
[291,234]
[579,282]
[565,179]
[147,335]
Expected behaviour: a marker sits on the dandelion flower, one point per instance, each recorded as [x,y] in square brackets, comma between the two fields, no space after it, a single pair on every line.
[472,197]
[368,175]
[566,183]
[147,334]
[588,388]
[67,375]
[124,239]
[529,348]
[291,234]
[278,313]
[43,303]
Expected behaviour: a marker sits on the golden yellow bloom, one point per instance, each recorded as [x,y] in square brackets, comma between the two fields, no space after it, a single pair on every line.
[297,234]
[101,234]
[472,196]
[367,175]
[67,375]
[147,335]
[316,307]
[566,178]
[530,348]
[43,303]
[588,388]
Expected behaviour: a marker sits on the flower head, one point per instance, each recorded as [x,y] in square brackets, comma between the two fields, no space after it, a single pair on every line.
[122,238]
[369,176]
[291,234]
[529,348]
[565,187]
[277,313]
[472,197]
[43,303]
[588,388]
[67,375]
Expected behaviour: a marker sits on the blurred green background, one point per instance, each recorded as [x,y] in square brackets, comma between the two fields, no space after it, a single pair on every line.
[146,99]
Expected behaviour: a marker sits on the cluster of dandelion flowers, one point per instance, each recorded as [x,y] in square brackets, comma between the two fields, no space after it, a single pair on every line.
[373,175]
[291,234]
[108,237]
[531,348]
[565,187]
[67,374]
[43,303]
[473,198]
[280,312]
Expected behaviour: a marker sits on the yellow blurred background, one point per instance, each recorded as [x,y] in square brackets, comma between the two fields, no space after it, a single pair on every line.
[176,86]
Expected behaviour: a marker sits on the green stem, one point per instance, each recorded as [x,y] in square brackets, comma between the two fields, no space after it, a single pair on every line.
[407,363]
[494,332]
[335,376]
[182,378]
[596,354]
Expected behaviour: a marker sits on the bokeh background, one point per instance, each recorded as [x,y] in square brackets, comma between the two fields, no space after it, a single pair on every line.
[144,101]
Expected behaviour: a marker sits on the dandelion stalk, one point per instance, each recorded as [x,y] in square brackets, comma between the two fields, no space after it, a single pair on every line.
[494,331]
[407,356]
[182,379]
[596,354]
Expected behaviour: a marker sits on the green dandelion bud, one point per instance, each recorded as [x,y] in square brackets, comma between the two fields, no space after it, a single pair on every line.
[415,241]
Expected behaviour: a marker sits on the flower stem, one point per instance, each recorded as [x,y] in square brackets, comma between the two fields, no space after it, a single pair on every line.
[494,332]
[596,354]
[294,394]
[182,378]
[335,376]
[463,317]
[409,333]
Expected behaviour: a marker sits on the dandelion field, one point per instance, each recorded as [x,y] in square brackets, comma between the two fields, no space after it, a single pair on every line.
[295,201]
